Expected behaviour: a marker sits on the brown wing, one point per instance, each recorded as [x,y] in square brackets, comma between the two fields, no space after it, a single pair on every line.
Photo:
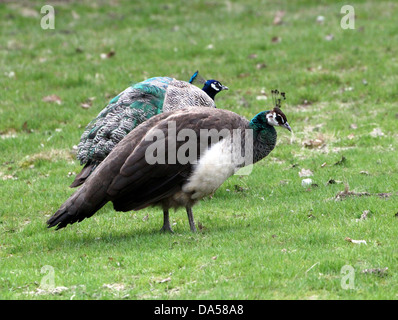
[140,184]
[126,178]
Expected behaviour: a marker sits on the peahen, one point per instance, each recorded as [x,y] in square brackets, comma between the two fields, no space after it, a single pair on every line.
[131,179]
[133,106]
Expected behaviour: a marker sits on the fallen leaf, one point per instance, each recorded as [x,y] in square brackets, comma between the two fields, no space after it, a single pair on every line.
[305,173]
[332,181]
[243,75]
[52,98]
[311,144]
[252,56]
[276,39]
[260,66]
[165,280]
[341,161]
[108,55]
[88,103]
[262,97]
[278,19]
[146,217]
[347,89]
[29,13]
[25,127]
[355,241]
[320,19]
[384,195]
[365,214]
[10,74]
[114,286]
[329,37]
[376,133]
[381,272]
[353,126]
[239,188]
[7,177]
[347,193]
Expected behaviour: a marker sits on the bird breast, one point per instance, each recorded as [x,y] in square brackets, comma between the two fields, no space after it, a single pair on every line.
[215,166]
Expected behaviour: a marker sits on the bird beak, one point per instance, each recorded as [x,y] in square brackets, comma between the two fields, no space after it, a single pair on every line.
[224,88]
[286,126]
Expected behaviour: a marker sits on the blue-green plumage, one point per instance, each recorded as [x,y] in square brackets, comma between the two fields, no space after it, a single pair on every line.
[194,76]
[130,108]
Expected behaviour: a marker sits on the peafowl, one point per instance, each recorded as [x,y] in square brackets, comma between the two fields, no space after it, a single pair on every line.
[132,107]
[130,178]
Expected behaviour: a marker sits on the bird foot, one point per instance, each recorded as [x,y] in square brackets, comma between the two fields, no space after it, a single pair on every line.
[166,228]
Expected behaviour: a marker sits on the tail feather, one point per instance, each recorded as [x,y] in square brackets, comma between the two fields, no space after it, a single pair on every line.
[75,209]
[83,175]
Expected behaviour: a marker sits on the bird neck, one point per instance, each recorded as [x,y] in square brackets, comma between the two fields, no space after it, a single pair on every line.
[210,92]
[264,140]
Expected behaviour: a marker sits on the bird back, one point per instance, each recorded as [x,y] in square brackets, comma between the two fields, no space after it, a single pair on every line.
[133,106]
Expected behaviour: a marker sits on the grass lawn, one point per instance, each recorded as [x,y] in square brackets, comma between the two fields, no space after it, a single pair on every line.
[262,236]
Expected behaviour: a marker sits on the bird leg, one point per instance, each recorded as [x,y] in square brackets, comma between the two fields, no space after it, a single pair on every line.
[190,219]
[166,222]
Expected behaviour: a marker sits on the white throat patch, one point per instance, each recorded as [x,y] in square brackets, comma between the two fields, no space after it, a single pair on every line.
[271,119]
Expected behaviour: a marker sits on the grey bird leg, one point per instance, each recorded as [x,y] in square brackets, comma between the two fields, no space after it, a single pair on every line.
[166,222]
[190,219]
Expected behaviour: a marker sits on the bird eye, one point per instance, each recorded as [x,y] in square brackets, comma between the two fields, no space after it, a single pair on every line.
[216,86]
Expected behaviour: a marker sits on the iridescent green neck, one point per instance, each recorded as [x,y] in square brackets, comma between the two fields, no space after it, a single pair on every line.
[260,126]
[264,136]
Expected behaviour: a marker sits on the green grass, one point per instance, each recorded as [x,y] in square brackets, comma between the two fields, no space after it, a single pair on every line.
[267,238]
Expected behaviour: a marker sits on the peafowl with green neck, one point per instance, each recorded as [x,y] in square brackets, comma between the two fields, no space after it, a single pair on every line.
[135,105]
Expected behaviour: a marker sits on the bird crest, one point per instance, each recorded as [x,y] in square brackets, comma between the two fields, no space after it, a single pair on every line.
[277,97]
[197,78]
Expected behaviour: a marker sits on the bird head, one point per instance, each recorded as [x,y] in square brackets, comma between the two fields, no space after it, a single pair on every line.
[211,87]
[274,117]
